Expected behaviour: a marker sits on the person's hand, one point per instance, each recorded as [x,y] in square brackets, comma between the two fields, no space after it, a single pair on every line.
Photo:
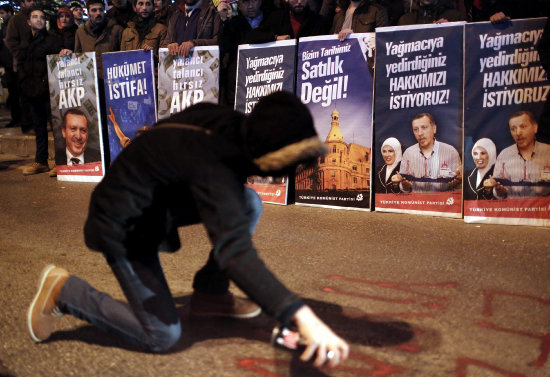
[441,21]
[146,47]
[65,52]
[283,37]
[185,47]
[457,180]
[396,179]
[499,18]
[224,10]
[173,48]
[319,339]
[407,186]
[500,190]
[343,34]
[489,183]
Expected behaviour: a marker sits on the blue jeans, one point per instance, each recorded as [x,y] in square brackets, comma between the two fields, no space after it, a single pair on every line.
[149,319]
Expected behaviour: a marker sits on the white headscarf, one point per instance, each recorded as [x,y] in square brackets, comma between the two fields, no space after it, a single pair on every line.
[396,145]
[491,149]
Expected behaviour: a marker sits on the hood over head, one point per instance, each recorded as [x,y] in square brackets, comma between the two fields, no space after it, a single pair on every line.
[279,134]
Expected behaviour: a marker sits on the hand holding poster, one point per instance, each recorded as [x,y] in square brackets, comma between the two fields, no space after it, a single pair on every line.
[334,81]
[130,99]
[186,80]
[418,137]
[507,178]
[263,69]
[75,118]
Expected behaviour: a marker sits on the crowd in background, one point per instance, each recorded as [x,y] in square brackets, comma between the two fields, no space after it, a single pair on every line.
[153,24]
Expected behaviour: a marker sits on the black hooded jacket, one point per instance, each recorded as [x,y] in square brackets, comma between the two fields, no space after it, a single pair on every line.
[191,169]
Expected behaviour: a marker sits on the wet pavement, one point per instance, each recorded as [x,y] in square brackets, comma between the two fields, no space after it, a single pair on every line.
[415,296]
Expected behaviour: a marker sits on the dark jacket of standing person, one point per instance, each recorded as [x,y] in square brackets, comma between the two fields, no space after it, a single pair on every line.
[428,14]
[32,65]
[65,34]
[99,38]
[154,35]
[18,33]
[121,15]
[279,20]
[366,17]
[207,27]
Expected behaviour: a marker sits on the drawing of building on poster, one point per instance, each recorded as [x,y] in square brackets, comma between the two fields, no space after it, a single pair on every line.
[345,167]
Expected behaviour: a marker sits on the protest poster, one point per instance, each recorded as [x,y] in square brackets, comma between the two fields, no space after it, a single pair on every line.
[186,80]
[130,98]
[75,117]
[507,162]
[261,70]
[334,81]
[418,119]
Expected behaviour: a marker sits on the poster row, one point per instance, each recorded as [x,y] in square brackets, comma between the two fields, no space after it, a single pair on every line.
[452,130]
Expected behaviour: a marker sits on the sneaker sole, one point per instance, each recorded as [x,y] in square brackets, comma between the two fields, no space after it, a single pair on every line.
[225,315]
[41,282]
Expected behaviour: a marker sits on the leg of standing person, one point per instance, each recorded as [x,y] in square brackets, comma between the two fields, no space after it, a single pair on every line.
[149,320]
[39,109]
[211,295]
[13,98]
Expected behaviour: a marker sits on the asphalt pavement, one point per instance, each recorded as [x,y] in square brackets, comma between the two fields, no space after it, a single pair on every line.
[415,296]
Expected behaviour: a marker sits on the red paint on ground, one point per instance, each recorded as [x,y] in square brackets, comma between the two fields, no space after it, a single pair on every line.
[488,311]
[462,366]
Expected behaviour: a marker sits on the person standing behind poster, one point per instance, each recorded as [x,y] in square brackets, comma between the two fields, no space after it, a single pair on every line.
[65,29]
[526,161]
[18,32]
[99,34]
[32,72]
[193,23]
[432,11]
[384,175]
[144,31]
[479,183]
[296,19]
[358,17]
[436,164]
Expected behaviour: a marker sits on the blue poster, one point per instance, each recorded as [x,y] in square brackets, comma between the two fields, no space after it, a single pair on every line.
[334,81]
[261,70]
[418,130]
[506,162]
[130,98]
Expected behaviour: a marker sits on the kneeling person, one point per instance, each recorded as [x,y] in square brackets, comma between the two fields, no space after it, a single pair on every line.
[190,168]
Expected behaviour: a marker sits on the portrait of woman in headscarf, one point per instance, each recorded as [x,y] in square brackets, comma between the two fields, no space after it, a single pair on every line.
[480,183]
[391,154]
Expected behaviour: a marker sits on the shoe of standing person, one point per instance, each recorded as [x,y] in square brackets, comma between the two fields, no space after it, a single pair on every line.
[36,168]
[53,172]
[224,305]
[43,310]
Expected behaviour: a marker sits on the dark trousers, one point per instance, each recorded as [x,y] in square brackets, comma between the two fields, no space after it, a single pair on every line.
[149,319]
[40,113]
